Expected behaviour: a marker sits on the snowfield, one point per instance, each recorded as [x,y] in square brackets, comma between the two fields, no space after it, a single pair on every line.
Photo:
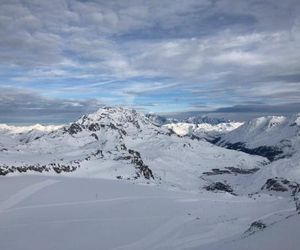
[39,212]
[116,179]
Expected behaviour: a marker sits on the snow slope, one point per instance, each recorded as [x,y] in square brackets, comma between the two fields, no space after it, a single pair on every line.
[279,134]
[72,213]
[203,130]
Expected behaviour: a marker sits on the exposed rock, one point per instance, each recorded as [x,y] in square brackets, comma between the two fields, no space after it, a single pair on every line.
[94,127]
[219,186]
[140,165]
[97,153]
[74,129]
[271,153]
[3,171]
[57,167]
[278,185]
[123,147]
[95,136]
[242,171]
[231,170]
[256,226]
[217,171]
[283,185]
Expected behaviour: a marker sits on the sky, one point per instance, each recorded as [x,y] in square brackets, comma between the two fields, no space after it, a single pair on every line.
[62,58]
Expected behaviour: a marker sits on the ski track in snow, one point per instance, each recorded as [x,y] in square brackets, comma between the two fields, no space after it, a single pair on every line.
[154,237]
[25,193]
[293,209]
[83,221]
[62,204]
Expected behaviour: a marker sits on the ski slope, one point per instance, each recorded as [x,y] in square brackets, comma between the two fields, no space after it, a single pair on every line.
[42,212]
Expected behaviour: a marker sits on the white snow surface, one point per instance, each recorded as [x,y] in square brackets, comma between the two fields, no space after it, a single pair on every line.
[11,135]
[281,131]
[40,212]
[203,130]
[11,129]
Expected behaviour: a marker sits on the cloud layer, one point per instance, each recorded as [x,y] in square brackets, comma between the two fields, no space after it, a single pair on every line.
[154,55]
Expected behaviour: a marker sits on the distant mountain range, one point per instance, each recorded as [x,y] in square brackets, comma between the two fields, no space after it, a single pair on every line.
[162,120]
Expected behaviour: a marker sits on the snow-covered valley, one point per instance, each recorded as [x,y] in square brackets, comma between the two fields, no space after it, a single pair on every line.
[116,179]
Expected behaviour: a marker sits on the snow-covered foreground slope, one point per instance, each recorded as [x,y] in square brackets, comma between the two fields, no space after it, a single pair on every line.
[62,213]
[272,136]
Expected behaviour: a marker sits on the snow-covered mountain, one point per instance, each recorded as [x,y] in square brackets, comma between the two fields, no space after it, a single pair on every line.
[160,120]
[14,135]
[199,119]
[11,129]
[124,144]
[205,119]
[203,130]
[25,133]
[273,136]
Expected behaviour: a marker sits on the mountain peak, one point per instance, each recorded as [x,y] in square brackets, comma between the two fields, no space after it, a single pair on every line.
[115,115]
[117,118]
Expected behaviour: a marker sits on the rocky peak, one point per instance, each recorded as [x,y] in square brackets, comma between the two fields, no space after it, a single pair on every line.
[116,118]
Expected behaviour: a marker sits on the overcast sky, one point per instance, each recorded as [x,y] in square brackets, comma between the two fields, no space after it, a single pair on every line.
[61,58]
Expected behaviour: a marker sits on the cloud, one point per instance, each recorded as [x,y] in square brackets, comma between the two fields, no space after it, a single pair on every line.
[171,53]
[23,106]
[261,108]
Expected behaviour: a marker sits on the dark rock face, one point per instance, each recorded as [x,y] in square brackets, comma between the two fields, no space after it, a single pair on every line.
[231,170]
[217,171]
[57,167]
[256,226]
[274,185]
[140,165]
[297,203]
[242,171]
[271,153]
[95,136]
[281,185]
[3,171]
[94,127]
[74,129]
[98,154]
[219,186]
